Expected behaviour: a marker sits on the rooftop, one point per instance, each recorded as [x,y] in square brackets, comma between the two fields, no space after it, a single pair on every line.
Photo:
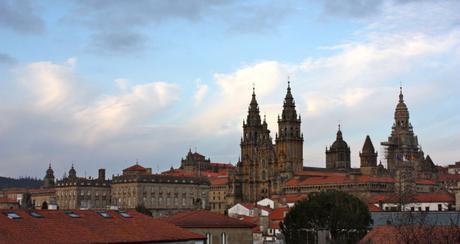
[206,219]
[90,226]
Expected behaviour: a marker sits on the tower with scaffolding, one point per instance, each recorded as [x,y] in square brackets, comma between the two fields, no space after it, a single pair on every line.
[402,149]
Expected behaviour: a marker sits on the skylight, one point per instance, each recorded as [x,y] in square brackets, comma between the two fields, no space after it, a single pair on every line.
[12,215]
[35,214]
[72,214]
[124,214]
[104,214]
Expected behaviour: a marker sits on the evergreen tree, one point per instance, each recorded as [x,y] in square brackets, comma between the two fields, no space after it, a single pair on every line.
[345,217]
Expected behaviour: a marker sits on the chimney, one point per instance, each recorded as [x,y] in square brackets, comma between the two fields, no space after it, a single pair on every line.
[101,174]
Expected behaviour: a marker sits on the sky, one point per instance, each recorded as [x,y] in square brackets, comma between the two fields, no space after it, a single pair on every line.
[105,84]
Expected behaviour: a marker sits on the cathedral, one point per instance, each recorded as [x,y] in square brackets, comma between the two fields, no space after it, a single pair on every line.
[264,167]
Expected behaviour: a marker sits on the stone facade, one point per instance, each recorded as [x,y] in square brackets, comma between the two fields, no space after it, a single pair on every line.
[195,163]
[217,197]
[162,194]
[338,155]
[225,235]
[264,167]
[402,148]
[74,192]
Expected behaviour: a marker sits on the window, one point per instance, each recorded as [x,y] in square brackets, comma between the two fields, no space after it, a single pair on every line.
[72,214]
[12,215]
[208,238]
[104,214]
[124,214]
[35,214]
[223,238]
[439,207]
[427,208]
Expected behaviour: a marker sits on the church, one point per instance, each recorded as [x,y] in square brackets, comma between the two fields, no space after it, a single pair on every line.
[268,169]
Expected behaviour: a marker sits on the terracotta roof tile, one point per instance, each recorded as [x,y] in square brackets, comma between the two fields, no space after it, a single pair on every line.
[58,227]
[135,167]
[206,219]
[422,197]
[278,214]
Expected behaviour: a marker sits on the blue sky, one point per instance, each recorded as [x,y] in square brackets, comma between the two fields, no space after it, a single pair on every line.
[106,83]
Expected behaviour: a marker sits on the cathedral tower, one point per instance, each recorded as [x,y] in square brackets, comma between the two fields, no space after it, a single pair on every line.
[48,181]
[402,146]
[368,157]
[338,155]
[289,142]
[257,155]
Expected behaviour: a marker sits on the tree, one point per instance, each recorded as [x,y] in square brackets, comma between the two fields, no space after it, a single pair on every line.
[345,217]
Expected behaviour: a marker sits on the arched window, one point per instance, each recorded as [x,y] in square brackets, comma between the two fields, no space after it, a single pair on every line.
[223,238]
[208,238]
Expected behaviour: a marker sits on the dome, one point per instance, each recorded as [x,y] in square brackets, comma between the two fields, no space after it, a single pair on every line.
[339,142]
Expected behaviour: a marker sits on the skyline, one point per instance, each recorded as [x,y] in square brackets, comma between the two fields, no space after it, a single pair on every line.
[93,84]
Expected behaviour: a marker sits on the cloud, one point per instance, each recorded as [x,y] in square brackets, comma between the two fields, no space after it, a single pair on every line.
[7,59]
[21,16]
[50,83]
[201,91]
[351,8]
[117,42]
[112,114]
[234,94]
[134,32]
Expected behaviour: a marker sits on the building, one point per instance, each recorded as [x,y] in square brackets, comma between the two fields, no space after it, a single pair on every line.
[441,201]
[218,194]
[195,163]
[275,170]
[48,180]
[264,166]
[216,227]
[8,203]
[162,194]
[338,155]
[402,147]
[73,192]
[44,226]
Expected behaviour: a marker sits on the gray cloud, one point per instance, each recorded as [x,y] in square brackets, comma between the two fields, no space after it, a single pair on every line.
[117,42]
[121,26]
[7,59]
[20,16]
[363,8]
[351,8]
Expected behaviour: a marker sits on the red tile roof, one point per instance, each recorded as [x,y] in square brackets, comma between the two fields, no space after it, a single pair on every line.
[449,177]
[422,197]
[278,214]
[223,165]
[425,182]
[57,227]
[7,200]
[206,219]
[389,234]
[135,167]
[218,180]
[336,179]
[373,208]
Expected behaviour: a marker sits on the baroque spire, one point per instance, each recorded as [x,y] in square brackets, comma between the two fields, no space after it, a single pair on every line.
[253,118]
[289,112]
